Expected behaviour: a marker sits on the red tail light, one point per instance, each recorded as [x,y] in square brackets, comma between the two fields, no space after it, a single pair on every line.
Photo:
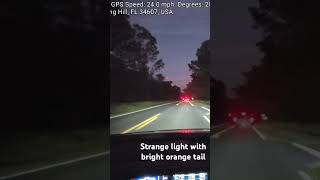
[185,131]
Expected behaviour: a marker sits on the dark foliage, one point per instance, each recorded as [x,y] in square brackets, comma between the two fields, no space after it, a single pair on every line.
[219,102]
[287,82]
[199,87]
[134,64]
[54,66]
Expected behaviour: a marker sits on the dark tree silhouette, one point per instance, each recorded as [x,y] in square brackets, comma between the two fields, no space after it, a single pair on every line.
[134,63]
[219,102]
[199,86]
[286,83]
[54,64]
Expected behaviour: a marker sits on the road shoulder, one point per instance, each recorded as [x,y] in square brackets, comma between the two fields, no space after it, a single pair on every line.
[307,140]
[32,150]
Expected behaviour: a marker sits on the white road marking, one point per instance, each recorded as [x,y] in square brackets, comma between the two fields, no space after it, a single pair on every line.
[307,149]
[217,135]
[54,165]
[205,108]
[178,103]
[263,137]
[141,110]
[206,118]
[190,103]
[304,175]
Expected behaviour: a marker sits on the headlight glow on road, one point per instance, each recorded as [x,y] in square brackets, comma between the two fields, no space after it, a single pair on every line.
[142,124]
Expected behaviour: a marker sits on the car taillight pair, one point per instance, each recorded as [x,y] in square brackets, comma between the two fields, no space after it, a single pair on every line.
[185,99]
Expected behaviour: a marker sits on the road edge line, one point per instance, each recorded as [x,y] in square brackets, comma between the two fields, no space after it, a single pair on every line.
[120,115]
[304,175]
[307,149]
[206,118]
[217,135]
[205,108]
[53,165]
[263,137]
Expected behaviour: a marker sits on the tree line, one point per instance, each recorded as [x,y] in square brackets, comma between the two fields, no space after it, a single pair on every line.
[135,66]
[54,66]
[53,63]
[286,84]
[199,86]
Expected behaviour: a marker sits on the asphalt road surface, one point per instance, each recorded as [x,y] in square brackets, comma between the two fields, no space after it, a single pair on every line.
[91,169]
[178,115]
[172,116]
[241,154]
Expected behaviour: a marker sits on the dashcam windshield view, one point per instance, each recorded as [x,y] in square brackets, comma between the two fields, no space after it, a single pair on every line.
[265,91]
[160,90]
[159,67]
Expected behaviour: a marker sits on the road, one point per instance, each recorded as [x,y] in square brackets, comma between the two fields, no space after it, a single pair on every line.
[178,115]
[236,154]
[173,116]
[91,169]
[241,154]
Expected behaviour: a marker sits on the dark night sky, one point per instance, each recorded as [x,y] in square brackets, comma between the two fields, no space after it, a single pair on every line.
[234,41]
[179,36]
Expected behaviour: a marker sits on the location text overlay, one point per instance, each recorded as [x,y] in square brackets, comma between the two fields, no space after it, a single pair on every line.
[156,8]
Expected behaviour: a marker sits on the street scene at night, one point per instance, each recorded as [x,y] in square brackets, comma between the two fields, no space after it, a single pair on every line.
[265,91]
[160,90]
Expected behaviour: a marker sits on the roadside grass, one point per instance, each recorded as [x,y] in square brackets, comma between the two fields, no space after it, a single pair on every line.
[126,107]
[307,134]
[314,173]
[204,103]
[28,150]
